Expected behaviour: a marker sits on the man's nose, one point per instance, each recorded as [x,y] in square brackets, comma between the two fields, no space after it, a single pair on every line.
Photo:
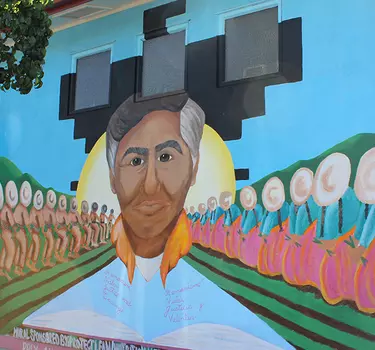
[152,183]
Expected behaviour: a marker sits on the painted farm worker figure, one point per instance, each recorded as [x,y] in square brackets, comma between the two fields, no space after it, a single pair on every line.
[103,225]
[362,252]
[95,224]
[253,212]
[198,223]
[203,220]
[331,184]
[218,233]
[111,218]
[277,209]
[205,234]
[303,213]
[194,217]
[231,223]
[274,227]
[62,230]
[204,213]
[331,191]
[233,241]
[50,224]
[301,187]
[6,224]
[191,212]
[75,228]
[86,222]
[340,221]
[250,240]
[22,222]
[216,213]
[365,191]
[153,157]
[36,224]
[194,214]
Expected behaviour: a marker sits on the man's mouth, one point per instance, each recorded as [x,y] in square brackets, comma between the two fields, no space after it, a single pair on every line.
[151,207]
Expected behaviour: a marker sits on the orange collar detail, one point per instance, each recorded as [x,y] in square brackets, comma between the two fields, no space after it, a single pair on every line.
[178,245]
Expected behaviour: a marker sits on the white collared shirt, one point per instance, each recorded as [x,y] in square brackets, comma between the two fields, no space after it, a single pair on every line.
[148,267]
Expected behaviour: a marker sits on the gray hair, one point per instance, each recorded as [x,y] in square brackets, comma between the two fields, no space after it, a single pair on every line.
[130,113]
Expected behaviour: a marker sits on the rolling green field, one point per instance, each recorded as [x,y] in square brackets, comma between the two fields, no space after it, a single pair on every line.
[301,317]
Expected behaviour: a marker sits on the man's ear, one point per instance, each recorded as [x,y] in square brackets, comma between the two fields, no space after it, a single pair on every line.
[195,171]
[112,180]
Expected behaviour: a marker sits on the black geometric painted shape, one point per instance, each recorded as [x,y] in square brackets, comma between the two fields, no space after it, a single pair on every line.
[155,19]
[92,123]
[226,106]
[74,185]
[291,46]
[242,174]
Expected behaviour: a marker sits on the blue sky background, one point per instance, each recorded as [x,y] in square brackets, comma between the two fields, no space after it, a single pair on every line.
[333,102]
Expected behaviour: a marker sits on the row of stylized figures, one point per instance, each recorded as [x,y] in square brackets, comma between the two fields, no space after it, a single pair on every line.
[324,238]
[37,231]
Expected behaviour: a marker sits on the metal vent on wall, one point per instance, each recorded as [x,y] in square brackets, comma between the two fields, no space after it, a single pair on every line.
[82,12]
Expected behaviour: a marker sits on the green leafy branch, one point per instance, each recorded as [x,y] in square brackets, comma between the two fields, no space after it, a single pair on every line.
[24,37]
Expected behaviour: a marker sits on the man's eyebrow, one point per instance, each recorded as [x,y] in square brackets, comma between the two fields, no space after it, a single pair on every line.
[169,144]
[141,151]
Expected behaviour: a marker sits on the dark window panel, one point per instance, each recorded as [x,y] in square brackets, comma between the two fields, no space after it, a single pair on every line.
[252,45]
[163,69]
[93,80]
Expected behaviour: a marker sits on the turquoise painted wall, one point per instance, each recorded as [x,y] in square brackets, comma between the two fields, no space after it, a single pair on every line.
[332,103]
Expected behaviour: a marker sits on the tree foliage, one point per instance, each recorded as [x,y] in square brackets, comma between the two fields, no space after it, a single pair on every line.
[24,34]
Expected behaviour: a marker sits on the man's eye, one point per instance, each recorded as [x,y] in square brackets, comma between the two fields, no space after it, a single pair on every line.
[165,157]
[136,162]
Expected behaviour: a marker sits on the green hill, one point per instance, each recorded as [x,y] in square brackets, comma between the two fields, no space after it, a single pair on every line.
[354,148]
[9,171]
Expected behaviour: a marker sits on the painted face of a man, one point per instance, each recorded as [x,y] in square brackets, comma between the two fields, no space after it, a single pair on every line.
[153,173]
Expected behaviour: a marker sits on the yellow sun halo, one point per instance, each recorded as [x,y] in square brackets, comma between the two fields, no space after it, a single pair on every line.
[215,174]
[215,171]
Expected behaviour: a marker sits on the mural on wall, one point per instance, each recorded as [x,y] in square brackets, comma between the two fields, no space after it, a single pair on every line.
[307,228]
[158,249]
[153,155]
